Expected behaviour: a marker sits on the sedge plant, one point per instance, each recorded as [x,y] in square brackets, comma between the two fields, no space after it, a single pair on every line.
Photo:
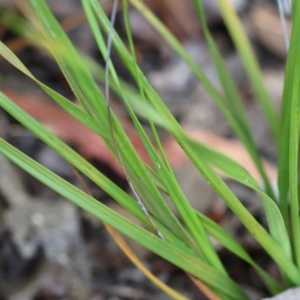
[184,238]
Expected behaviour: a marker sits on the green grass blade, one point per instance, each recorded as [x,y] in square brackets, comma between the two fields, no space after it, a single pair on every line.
[65,151]
[17,24]
[23,28]
[233,99]
[276,225]
[224,163]
[288,134]
[67,105]
[234,170]
[227,241]
[76,73]
[125,5]
[183,260]
[256,230]
[294,68]
[244,49]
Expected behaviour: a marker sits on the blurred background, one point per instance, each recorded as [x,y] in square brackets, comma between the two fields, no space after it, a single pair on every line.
[50,249]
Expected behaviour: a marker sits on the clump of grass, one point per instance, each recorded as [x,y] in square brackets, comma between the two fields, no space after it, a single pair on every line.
[185,240]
